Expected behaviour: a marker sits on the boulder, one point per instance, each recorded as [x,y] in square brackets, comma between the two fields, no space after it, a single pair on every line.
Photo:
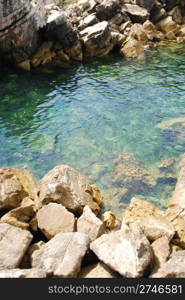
[124,251]
[151,31]
[98,270]
[62,255]
[136,13]
[13,244]
[66,186]
[11,190]
[107,9]
[137,32]
[20,216]
[54,218]
[167,25]
[22,273]
[173,268]
[161,251]
[88,223]
[96,39]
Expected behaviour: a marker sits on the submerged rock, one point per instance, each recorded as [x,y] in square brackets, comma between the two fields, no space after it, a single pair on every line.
[124,251]
[66,186]
[62,255]
[54,218]
[13,245]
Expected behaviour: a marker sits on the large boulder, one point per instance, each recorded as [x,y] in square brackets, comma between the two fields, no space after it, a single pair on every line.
[11,190]
[66,186]
[54,218]
[97,39]
[124,251]
[91,225]
[98,270]
[13,245]
[62,255]
[136,13]
[173,268]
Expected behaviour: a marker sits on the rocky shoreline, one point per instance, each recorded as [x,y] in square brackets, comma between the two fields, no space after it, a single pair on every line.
[34,33]
[55,228]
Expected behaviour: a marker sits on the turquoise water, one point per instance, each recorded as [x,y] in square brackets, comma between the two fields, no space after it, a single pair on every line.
[86,114]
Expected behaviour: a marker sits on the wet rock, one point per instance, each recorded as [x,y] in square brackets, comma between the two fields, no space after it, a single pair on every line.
[161,251]
[98,270]
[97,39]
[113,198]
[22,273]
[13,244]
[88,223]
[43,55]
[66,186]
[54,218]
[170,124]
[62,255]
[20,216]
[109,220]
[152,221]
[124,251]
[166,164]
[136,13]
[173,268]
[11,190]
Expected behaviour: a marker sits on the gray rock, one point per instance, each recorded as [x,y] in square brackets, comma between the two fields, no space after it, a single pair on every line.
[22,273]
[54,218]
[124,251]
[13,244]
[62,255]
[88,223]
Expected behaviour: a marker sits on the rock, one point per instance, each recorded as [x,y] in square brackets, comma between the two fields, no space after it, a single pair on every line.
[146,4]
[11,190]
[90,20]
[153,222]
[132,48]
[151,31]
[54,218]
[98,270]
[66,186]
[157,13]
[137,32]
[167,25]
[43,55]
[20,216]
[109,220]
[176,15]
[25,65]
[161,251]
[107,9]
[88,223]
[136,13]
[166,164]
[124,251]
[22,273]
[13,244]
[96,39]
[170,124]
[173,268]
[62,255]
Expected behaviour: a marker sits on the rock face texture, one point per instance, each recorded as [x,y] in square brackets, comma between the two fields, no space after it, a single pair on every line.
[62,255]
[13,244]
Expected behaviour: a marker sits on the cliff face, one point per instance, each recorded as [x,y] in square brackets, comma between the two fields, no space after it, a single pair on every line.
[19,25]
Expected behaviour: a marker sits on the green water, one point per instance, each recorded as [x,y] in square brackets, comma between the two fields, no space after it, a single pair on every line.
[84,115]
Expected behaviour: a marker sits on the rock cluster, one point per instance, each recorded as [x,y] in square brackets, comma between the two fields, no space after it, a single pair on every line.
[86,28]
[60,213]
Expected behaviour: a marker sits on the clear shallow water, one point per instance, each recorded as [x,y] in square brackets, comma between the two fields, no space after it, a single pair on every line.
[85,115]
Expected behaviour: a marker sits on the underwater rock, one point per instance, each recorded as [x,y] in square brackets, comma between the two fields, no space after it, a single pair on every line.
[62,255]
[98,270]
[170,124]
[125,251]
[66,186]
[54,218]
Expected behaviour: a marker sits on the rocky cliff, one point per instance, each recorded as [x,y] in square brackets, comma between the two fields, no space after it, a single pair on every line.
[36,32]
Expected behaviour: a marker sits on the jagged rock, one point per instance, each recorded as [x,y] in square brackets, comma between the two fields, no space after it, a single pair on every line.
[151,31]
[13,244]
[153,222]
[138,33]
[124,251]
[54,218]
[97,39]
[21,215]
[136,13]
[62,255]
[70,188]
[173,268]
[167,25]
[28,182]
[109,220]
[88,223]
[11,190]
[157,13]
[176,15]
[90,20]
[146,4]
[98,270]
[43,55]
[107,9]
[161,251]
[22,273]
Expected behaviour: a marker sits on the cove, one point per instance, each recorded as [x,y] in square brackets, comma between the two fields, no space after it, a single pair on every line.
[85,115]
